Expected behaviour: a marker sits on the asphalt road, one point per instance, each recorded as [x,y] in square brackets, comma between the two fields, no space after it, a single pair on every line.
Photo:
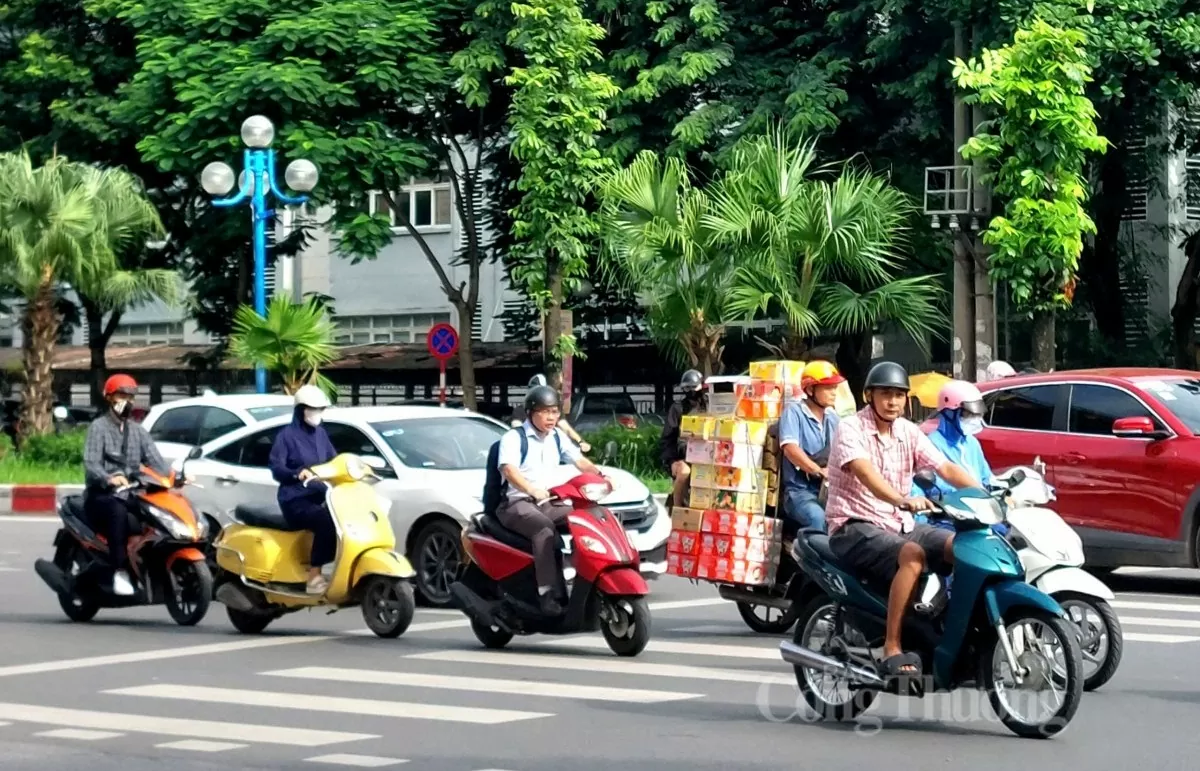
[131,691]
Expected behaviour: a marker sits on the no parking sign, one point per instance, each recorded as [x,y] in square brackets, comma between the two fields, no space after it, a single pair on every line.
[443,344]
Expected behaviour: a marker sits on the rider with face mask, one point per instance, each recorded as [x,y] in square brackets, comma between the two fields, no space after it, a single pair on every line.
[114,450]
[672,450]
[299,447]
[960,418]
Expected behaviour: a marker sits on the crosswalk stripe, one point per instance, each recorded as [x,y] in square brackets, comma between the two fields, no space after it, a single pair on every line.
[318,703]
[1158,638]
[591,664]
[485,685]
[199,745]
[1171,607]
[170,726]
[1179,623]
[360,761]
[78,733]
[682,648]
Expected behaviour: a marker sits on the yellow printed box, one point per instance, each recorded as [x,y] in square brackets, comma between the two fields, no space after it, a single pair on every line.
[742,431]
[702,427]
[726,500]
[727,478]
[778,371]
[720,452]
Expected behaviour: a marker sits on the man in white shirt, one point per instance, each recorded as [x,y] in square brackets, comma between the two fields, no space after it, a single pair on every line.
[527,509]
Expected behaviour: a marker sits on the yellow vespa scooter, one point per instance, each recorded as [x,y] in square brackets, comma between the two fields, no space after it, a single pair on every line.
[263,562]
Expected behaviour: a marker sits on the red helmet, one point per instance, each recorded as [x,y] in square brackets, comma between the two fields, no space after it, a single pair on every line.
[120,384]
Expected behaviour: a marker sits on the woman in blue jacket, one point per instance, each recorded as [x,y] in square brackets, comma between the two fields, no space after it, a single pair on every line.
[297,449]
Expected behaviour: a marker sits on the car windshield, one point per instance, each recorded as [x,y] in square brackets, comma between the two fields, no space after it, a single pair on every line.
[266,413]
[447,444]
[1179,395]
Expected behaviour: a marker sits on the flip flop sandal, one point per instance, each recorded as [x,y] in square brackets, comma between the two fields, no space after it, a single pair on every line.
[895,676]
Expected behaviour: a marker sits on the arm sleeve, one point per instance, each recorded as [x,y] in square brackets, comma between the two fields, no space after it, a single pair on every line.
[570,451]
[668,445]
[283,469]
[928,456]
[150,454]
[849,445]
[510,449]
[93,457]
[789,426]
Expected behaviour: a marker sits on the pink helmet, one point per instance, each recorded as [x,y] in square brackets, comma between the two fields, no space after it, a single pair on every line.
[959,394]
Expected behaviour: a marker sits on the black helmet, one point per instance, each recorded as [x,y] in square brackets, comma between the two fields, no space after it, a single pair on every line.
[540,398]
[692,380]
[887,374]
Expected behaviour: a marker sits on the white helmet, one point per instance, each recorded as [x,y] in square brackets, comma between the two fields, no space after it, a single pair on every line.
[998,370]
[312,396]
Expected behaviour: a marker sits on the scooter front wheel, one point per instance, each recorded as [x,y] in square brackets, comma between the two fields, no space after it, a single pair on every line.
[387,605]
[190,592]
[625,622]
[491,636]
[1046,649]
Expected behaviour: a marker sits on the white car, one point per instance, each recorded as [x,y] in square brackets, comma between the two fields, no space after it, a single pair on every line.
[435,469]
[178,426]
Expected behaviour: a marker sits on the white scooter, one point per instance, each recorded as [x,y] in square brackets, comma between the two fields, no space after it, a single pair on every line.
[1052,555]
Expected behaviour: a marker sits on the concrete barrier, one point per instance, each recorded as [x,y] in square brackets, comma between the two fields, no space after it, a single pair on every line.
[34,500]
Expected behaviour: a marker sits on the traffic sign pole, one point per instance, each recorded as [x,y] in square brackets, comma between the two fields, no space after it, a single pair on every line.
[443,343]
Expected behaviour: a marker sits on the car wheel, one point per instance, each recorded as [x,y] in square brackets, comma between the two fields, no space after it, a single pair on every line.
[437,560]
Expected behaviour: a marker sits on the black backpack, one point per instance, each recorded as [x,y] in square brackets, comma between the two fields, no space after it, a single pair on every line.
[495,486]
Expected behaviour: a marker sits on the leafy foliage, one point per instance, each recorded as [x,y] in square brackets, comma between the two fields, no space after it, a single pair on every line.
[1038,144]
[637,449]
[294,340]
[54,449]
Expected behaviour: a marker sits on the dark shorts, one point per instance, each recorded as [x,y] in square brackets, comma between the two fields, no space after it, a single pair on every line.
[871,551]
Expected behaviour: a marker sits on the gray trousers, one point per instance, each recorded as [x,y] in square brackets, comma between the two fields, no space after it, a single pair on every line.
[537,523]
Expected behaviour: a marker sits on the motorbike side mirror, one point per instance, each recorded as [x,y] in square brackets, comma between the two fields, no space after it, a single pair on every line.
[610,451]
[926,481]
[1017,478]
[379,466]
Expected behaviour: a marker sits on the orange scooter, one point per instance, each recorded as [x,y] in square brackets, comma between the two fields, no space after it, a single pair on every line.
[169,549]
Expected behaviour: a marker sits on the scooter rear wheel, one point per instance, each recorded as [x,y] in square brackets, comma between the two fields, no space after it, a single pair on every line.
[1110,642]
[76,608]
[858,700]
[248,623]
[491,636]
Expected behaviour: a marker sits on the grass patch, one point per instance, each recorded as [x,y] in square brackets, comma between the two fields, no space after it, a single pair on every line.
[15,470]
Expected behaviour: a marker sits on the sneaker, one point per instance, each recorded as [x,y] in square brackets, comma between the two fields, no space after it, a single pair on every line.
[317,585]
[121,584]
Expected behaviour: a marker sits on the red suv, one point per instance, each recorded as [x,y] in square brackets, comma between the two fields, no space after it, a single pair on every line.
[1122,449]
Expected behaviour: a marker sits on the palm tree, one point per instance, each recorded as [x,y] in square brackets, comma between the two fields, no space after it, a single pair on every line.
[817,245]
[658,247]
[62,223]
[294,340]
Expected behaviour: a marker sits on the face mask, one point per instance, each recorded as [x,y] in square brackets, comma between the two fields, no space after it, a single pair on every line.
[312,417]
[121,407]
[971,426]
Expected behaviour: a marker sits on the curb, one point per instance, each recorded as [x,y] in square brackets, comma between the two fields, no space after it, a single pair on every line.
[34,500]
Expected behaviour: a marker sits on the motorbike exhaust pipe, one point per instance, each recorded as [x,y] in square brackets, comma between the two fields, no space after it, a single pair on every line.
[734,594]
[53,575]
[233,597]
[794,654]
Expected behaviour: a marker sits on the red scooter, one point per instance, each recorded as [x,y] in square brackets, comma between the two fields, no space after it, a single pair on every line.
[498,591]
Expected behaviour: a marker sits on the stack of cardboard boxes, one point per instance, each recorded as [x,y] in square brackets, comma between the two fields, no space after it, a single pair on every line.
[728,531]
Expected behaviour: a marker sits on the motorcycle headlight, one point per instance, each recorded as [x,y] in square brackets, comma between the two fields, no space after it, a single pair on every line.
[596,491]
[171,523]
[201,526]
[592,544]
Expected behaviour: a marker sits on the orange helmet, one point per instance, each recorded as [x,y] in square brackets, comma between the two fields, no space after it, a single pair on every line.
[820,373]
[122,384]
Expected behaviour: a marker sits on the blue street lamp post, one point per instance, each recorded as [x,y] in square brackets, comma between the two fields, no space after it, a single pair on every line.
[258,177]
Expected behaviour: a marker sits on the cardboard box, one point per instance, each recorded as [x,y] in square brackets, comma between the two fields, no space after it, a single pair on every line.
[681,564]
[739,547]
[727,478]
[725,392]
[742,431]
[727,500]
[722,452]
[760,409]
[734,571]
[687,519]
[697,427]
[780,371]
[735,523]
[770,461]
[684,542]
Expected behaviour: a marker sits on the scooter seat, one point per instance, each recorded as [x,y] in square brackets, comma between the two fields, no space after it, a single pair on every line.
[491,526]
[262,515]
[73,505]
[820,544]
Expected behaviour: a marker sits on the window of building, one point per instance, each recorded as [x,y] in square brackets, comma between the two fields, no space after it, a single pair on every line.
[393,328]
[148,334]
[427,202]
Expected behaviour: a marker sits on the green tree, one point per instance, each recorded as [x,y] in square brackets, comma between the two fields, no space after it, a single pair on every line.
[557,114]
[294,340]
[61,223]
[658,245]
[818,245]
[1037,141]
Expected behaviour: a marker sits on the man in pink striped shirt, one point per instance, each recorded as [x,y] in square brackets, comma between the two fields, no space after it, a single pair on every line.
[875,455]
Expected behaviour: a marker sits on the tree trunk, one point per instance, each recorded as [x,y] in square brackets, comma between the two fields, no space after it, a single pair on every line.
[794,346]
[1100,267]
[38,353]
[99,333]
[466,354]
[552,324]
[853,360]
[1043,341]
[1183,312]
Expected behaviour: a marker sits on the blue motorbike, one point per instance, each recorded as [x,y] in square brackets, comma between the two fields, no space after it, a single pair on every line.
[990,630]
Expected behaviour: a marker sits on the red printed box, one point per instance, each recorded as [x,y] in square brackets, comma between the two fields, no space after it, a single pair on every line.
[684,542]
[681,565]
[735,523]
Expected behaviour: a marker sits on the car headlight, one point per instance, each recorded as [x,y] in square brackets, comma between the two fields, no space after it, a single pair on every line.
[173,524]
[592,544]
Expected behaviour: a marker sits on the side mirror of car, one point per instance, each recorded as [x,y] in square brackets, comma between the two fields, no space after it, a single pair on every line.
[194,453]
[379,466]
[1137,428]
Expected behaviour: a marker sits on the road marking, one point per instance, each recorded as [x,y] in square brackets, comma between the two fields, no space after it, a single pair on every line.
[361,761]
[317,703]
[713,629]
[1181,623]
[48,519]
[1166,606]
[686,649]
[170,726]
[485,685]
[197,745]
[1158,638]
[593,664]
[688,604]
[78,733]
[9,570]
